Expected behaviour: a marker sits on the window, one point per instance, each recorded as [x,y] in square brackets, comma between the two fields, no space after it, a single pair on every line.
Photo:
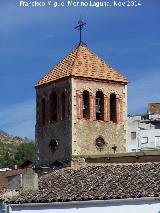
[133,135]
[144,140]
[86,104]
[157,140]
[53,106]
[100,143]
[63,105]
[43,111]
[99,105]
[113,111]
[52,145]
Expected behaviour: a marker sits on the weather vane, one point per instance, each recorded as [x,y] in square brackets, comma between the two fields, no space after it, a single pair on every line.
[80,27]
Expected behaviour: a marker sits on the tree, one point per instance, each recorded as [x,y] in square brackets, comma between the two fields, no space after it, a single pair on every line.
[25,151]
[7,159]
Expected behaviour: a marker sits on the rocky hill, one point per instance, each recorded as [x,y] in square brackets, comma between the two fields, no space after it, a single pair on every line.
[9,143]
[8,147]
[5,138]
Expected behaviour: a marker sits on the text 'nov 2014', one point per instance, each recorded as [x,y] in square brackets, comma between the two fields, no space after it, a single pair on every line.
[97,4]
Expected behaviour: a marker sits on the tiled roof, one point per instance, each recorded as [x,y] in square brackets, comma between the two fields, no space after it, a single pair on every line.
[81,62]
[110,181]
[153,108]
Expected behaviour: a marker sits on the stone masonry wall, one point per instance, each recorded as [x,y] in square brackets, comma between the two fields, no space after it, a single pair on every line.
[59,130]
[85,131]
[76,136]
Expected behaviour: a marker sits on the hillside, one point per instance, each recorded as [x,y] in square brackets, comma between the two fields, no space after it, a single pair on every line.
[5,138]
[10,146]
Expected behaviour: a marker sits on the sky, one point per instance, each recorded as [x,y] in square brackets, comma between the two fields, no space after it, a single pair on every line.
[34,39]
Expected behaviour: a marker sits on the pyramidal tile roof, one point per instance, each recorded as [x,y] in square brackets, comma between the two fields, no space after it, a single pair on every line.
[81,62]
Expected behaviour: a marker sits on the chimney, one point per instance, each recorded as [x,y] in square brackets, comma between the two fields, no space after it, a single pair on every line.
[15,167]
[29,181]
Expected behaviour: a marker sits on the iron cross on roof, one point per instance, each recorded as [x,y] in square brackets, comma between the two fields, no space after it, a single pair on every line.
[80,27]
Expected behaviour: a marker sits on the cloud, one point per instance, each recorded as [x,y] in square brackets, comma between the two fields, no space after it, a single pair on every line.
[143,91]
[19,119]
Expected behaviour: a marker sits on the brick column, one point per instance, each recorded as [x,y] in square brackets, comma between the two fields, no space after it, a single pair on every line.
[94,107]
[91,106]
[121,109]
[118,111]
[106,108]
[109,108]
[79,105]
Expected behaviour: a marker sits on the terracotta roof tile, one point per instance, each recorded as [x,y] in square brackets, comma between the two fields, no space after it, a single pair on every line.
[112,181]
[81,62]
[153,108]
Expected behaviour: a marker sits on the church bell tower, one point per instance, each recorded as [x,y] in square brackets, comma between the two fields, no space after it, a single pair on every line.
[81,107]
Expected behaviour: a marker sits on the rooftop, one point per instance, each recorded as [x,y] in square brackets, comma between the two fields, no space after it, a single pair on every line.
[96,182]
[153,108]
[81,62]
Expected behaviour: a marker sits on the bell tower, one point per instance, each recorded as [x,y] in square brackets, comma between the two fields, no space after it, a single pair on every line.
[81,109]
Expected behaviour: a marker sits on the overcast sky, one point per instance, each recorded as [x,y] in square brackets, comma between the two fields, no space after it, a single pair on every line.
[34,39]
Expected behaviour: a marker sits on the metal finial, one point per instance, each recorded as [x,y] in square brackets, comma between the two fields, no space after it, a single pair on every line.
[80,27]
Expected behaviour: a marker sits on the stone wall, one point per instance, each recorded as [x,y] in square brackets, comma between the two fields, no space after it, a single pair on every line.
[29,182]
[59,130]
[88,131]
[85,132]
[75,135]
[26,182]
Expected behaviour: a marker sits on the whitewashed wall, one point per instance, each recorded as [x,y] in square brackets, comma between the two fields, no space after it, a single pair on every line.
[151,135]
[123,207]
[142,130]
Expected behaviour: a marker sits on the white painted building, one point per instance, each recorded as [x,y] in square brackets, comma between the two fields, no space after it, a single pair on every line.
[149,139]
[138,205]
[143,133]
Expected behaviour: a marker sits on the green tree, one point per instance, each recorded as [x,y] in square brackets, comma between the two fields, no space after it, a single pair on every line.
[7,160]
[25,151]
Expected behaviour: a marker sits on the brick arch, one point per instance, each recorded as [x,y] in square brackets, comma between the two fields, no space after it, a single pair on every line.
[86,88]
[80,105]
[113,92]
[101,90]
[99,105]
[105,104]
[86,104]
[115,106]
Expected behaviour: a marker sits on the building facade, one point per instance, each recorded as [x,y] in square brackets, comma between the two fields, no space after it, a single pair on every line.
[81,109]
[143,132]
